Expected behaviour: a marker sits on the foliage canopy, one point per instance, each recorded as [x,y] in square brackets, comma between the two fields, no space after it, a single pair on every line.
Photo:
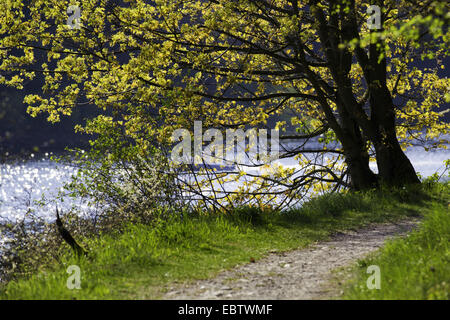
[313,66]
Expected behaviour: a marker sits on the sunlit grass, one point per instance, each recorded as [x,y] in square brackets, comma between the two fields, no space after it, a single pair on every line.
[139,261]
[416,267]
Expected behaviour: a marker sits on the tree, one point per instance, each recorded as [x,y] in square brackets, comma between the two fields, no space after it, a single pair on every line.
[160,65]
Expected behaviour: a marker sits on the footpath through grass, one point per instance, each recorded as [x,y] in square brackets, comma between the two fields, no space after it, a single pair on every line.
[139,261]
[416,267]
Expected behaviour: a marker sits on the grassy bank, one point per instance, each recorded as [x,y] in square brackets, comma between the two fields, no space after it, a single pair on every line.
[140,260]
[415,267]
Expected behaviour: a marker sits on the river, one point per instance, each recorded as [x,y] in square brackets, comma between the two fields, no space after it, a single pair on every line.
[24,183]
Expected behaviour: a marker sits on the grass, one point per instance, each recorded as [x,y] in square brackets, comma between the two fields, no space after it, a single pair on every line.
[139,261]
[416,267]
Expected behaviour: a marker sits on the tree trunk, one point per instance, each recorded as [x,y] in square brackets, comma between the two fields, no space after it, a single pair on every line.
[394,166]
[355,151]
[361,176]
[357,157]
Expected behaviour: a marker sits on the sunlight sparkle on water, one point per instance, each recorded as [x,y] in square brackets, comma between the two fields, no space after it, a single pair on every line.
[23,183]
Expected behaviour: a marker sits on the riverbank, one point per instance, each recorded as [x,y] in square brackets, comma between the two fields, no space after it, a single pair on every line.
[24,182]
[144,261]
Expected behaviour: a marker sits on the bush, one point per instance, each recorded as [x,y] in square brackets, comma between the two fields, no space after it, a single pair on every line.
[131,182]
[32,243]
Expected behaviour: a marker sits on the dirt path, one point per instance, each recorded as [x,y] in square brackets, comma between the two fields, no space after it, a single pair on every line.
[299,274]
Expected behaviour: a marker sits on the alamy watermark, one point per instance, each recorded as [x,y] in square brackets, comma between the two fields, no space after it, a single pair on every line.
[374,281]
[74,19]
[374,20]
[74,280]
[240,146]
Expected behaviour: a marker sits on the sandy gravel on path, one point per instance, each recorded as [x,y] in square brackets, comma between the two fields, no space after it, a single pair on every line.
[298,274]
